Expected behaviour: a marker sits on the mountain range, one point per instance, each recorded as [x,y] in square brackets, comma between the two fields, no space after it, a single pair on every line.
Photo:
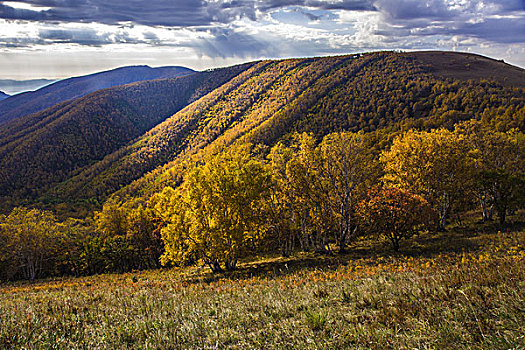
[63,90]
[133,139]
[3,95]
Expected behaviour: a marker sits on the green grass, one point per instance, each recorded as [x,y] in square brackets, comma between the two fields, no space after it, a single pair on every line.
[464,289]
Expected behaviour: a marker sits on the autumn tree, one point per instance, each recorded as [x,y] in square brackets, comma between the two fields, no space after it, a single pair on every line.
[111,220]
[506,190]
[281,208]
[500,168]
[172,208]
[217,218]
[319,186]
[438,165]
[30,242]
[306,194]
[129,235]
[347,170]
[395,214]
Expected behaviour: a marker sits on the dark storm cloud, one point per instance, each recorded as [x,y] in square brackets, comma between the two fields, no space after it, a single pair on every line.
[511,5]
[349,5]
[403,10]
[414,9]
[151,12]
[500,21]
[161,12]
[199,12]
[86,37]
[502,30]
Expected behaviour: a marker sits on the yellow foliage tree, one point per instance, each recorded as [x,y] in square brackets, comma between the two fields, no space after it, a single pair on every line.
[216,217]
[281,214]
[347,171]
[500,171]
[438,164]
[30,240]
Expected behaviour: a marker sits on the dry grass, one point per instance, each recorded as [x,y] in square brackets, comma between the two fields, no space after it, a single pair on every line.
[438,295]
[466,66]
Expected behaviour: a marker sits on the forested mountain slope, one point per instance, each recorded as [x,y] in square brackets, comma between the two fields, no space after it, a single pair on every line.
[3,95]
[63,90]
[39,150]
[369,92]
[136,139]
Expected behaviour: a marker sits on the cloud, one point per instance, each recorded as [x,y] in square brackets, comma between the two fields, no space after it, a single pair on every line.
[151,12]
[178,13]
[500,30]
[228,42]
[227,30]
[495,21]
[400,18]
[83,36]
[348,5]
[395,10]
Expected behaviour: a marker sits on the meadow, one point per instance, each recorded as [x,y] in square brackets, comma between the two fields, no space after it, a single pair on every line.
[460,289]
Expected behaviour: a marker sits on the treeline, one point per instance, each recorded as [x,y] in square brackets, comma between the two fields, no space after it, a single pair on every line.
[35,244]
[302,194]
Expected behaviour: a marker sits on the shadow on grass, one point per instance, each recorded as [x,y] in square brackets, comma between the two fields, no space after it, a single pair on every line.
[468,237]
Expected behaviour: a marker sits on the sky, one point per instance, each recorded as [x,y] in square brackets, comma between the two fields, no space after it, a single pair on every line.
[55,39]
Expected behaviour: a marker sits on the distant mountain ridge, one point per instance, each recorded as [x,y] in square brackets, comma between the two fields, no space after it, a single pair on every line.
[13,87]
[34,101]
[3,95]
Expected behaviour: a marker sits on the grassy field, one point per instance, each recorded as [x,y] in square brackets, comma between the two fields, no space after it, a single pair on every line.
[463,289]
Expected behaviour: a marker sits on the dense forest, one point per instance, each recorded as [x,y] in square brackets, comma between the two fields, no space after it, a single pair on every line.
[273,156]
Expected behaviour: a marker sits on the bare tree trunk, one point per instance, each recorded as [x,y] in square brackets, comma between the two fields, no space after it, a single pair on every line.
[443,214]
[231,264]
[491,213]
[502,213]
[395,243]
[304,241]
[483,202]
[214,266]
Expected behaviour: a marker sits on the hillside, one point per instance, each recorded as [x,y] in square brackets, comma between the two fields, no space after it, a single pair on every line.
[41,149]
[444,296]
[3,95]
[369,92]
[135,139]
[63,90]
[366,201]
[456,65]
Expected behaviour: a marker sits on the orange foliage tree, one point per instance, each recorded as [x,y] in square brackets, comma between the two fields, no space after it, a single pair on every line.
[395,213]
